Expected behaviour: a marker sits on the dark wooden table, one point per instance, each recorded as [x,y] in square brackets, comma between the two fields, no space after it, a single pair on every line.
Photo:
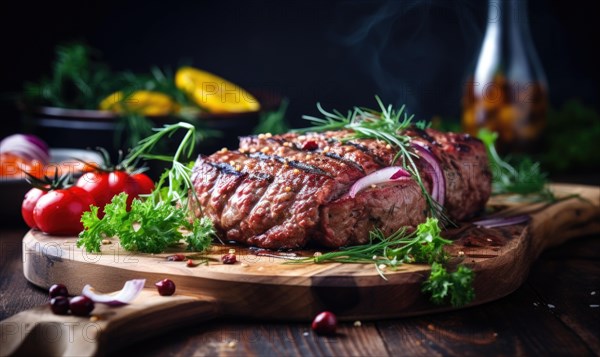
[555,312]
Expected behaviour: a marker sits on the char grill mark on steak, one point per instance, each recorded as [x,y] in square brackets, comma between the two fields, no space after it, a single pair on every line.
[225,168]
[366,151]
[293,163]
[213,183]
[417,132]
[289,145]
[287,209]
[335,156]
[343,171]
[293,146]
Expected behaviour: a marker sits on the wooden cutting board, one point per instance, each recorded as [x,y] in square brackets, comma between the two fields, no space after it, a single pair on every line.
[266,287]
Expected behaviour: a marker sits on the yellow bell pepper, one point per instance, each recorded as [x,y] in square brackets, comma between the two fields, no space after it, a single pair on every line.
[142,101]
[214,93]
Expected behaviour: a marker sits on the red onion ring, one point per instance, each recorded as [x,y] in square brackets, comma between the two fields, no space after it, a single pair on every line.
[438,190]
[130,291]
[388,174]
[502,221]
[28,146]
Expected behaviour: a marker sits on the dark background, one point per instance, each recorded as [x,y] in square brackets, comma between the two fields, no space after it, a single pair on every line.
[340,53]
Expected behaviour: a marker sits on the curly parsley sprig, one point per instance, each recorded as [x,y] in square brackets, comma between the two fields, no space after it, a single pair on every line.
[159,220]
[455,287]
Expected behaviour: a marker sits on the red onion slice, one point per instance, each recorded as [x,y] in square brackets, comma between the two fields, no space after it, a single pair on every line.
[388,174]
[438,190]
[27,146]
[130,291]
[502,221]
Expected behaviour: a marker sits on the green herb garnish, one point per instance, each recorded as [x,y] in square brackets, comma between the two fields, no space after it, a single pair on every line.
[387,125]
[526,178]
[457,287]
[78,80]
[572,133]
[147,227]
[273,121]
[159,220]
[424,245]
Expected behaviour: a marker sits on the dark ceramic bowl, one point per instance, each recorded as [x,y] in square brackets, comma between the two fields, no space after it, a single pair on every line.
[85,129]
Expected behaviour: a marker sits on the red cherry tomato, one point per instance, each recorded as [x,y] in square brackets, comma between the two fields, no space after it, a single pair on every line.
[105,185]
[132,185]
[31,198]
[59,212]
[145,183]
[96,183]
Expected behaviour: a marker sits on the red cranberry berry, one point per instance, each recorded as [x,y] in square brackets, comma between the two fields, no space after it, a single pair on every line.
[176,258]
[166,287]
[59,305]
[58,290]
[229,258]
[81,306]
[190,263]
[310,145]
[325,323]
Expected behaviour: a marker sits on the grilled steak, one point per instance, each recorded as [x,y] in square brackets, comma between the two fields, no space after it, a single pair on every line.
[289,190]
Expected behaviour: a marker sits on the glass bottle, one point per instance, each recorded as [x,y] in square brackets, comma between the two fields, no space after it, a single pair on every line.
[507,90]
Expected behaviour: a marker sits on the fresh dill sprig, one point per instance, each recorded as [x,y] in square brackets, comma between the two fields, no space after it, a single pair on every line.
[387,125]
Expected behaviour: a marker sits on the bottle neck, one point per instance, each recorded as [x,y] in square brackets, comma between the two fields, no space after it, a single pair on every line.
[508,14]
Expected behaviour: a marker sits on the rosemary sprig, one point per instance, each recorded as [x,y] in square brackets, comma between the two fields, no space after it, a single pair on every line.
[424,245]
[387,125]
